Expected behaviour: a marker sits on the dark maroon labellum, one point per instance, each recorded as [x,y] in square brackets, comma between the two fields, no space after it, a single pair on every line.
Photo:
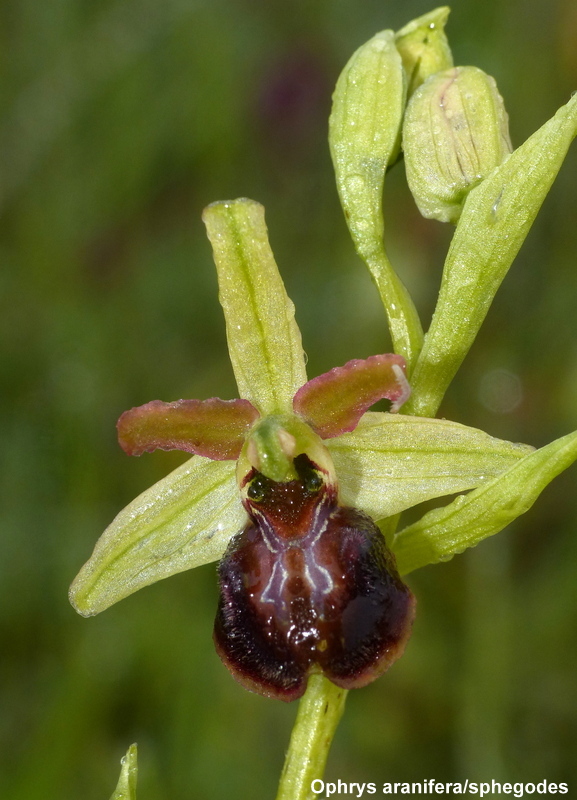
[308,586]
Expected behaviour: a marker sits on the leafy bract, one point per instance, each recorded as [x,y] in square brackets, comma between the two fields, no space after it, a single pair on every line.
[469,519]
[126,787]
[494,222]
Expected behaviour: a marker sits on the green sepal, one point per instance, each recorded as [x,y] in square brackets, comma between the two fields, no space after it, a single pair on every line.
[424,47]
[364,137]
[263,338]
[470,518]
[494,223]
[392,462]
[126,787]
[185,520]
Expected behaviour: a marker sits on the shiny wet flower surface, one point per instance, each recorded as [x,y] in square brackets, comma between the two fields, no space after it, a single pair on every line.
[309,585]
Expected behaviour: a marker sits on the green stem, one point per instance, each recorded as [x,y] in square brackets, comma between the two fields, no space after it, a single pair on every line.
[420,404]
[319,712]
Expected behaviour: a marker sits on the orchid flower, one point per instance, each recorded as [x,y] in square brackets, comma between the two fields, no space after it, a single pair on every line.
[285,486]
[296,487]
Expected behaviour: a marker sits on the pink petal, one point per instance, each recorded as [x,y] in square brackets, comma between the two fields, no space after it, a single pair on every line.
[214,428]
[333,403]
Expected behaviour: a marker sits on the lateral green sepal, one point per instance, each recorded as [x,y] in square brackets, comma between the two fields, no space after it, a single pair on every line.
[391,462]
[185,520]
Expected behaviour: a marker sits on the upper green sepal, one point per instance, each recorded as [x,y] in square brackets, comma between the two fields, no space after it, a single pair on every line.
[263,338]
[392,462]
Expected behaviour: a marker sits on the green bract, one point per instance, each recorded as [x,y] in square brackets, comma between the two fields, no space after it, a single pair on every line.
[494,223]
[126,787]
[487,510]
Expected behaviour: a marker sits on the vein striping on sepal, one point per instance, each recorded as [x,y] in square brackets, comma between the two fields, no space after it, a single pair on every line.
[264,340]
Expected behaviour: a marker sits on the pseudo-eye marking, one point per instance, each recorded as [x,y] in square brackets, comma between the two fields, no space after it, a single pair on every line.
[308,586]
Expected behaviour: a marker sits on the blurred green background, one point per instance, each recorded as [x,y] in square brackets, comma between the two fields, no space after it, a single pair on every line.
[120,120]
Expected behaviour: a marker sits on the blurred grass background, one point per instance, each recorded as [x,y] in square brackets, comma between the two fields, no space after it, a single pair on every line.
[120,120]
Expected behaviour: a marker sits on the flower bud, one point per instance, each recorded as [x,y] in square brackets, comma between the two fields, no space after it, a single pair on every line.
[365,134]
[423,47]
[455,133]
